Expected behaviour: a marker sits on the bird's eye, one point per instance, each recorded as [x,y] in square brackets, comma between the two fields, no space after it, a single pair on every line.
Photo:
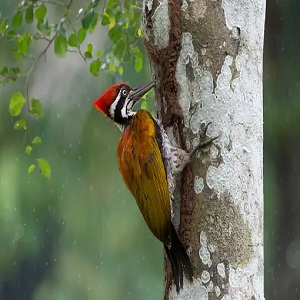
[124,92]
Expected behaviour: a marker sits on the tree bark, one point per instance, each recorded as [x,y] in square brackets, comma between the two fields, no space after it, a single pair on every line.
[206,58]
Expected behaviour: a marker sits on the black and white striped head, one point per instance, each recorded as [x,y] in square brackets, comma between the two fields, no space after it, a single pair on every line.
[118,100]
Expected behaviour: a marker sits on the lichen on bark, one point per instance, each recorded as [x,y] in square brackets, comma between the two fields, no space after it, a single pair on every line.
[210,71]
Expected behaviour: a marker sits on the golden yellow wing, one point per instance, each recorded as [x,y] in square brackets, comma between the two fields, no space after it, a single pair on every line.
[143,171]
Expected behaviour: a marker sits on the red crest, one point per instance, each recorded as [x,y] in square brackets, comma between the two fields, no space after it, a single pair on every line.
[104,102]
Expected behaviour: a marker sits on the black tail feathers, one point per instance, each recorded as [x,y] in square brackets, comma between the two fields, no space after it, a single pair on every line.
[179,260]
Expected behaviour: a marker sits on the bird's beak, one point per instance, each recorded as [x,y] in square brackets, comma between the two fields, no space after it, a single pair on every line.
[140,91]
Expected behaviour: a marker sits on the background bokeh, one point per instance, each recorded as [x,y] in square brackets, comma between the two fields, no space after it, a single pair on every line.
[80,235]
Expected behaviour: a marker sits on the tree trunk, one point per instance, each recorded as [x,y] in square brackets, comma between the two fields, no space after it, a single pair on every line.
[206,57]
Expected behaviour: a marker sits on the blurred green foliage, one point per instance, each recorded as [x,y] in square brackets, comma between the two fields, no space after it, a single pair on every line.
[281,150]
[32,23]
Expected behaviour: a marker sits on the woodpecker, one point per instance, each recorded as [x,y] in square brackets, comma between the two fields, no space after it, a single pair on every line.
[149,165]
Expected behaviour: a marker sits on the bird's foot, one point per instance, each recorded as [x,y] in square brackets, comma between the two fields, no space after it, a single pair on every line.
[205,141]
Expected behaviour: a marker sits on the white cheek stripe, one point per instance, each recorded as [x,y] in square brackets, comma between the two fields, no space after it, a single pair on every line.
[126,110]
[114,105]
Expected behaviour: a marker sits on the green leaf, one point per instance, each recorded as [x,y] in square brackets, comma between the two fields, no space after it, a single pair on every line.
[87,20]
[44,27]
[11,34]
[23,43]
[29,15]
[88,55]
[37,140]
[3,27]
[116,33]
[44,167]
[60,45]
[127,4]
[139,32]
[4,71]
[89,48]
[121,70]
[119,51]
[111,16]
[36,107]
[28,149]
[15,71]
[31,168]
[17,20]
[111,4]
[105,20]
[138,64]
[16,103]
[95,67]
[112,68]
[72,40]
[99,53]
[39,25]
[81,34]
[118,16]
[20,124]
[145,105]
[40,12]
[93,22]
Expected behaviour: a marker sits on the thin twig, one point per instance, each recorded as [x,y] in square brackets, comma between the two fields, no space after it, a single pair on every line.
[50,41]
[47,47]
[27,84]
[78,45]
[56,33]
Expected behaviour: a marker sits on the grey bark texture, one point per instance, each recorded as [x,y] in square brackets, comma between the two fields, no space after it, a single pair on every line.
[206,58]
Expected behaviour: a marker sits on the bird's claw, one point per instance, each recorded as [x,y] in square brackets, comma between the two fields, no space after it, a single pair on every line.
[205,141]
